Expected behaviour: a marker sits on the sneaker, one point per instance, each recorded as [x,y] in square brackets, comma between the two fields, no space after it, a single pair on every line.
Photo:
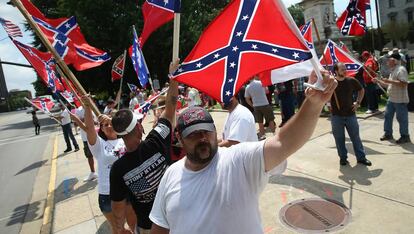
[91,177]
[386,137]
[365,162]
[77,149]
[67,150]
[403,139]
[369,112]
[343,162]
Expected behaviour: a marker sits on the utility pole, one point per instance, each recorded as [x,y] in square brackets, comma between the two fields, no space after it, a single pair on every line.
[4,94]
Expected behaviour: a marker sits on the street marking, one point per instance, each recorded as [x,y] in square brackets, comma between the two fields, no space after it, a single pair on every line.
[47,217]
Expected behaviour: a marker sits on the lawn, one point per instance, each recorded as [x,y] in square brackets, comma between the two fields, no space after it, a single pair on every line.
[411,77]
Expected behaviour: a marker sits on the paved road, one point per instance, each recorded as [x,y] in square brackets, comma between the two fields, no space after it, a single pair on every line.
[21,155]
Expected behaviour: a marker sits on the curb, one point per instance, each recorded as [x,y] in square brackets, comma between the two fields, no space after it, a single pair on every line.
[49,207]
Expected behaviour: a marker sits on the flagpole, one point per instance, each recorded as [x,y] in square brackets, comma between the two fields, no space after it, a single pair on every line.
[122,78]
[69,85]
[50,48]
[320,46]
[176,36]
[50,114]
[372,31]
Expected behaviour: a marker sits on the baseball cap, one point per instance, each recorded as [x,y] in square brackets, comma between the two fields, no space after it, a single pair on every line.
[396,56]
[194,119]
[365,54]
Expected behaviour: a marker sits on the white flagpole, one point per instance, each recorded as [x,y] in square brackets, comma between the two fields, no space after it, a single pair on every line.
[176,36]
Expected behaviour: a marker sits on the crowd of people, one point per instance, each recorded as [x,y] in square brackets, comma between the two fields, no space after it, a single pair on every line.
[145,183]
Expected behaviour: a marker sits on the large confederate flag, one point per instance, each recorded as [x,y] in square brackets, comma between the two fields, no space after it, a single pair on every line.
[248,37]
[68,40]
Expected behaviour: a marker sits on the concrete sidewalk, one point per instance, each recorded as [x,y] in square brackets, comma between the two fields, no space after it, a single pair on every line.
[381,197]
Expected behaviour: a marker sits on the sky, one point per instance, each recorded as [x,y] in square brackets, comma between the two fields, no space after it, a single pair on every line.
[22,77]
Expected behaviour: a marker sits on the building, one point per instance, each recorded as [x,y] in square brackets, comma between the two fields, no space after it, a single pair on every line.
[3,92]
[399,11]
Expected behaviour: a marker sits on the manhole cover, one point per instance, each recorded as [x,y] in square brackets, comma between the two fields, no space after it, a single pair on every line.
[315,215]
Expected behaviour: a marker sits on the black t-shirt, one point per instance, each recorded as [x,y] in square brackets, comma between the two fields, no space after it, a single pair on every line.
[137,174]
[344,92]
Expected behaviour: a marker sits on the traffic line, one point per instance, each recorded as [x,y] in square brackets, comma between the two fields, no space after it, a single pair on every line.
[47,217]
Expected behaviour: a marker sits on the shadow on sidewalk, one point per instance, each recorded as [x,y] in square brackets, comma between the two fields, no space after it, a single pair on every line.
[28,212]
[320,189]
[358,174]
[71,187]
[32,166]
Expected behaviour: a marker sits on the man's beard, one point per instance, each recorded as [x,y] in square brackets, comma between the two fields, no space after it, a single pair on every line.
[195,156]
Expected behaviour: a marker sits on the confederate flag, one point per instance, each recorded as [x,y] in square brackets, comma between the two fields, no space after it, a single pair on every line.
[118,67]
[352,21]
[239,44]
[67,38]
[44,104]
[44,65]
[334,54]
[156,13]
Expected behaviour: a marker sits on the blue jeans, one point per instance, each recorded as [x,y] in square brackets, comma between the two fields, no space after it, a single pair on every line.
[339,123]
[67,133]
[371,95]
[287,102]
[402,117]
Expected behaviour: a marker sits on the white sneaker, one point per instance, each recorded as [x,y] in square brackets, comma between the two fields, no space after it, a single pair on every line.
[369,112]
[91,176]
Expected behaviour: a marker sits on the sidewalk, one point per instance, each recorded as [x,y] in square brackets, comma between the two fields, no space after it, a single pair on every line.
[381,197]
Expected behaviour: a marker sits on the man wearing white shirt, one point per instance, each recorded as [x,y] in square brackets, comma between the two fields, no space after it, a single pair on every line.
[239,125]
[216,189]
[64,117]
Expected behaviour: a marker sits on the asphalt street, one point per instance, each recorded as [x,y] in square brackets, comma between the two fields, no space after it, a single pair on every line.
[21,155]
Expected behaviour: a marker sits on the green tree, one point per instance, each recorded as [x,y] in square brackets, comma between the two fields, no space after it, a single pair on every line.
[296,11]
[397,32]
[375,36]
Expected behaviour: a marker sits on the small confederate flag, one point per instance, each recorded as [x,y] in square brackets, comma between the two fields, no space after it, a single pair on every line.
[118,67]
[334,54]
[239,44]
[11,29]
[352,21]
[145,107]
[156,13]
[44,104]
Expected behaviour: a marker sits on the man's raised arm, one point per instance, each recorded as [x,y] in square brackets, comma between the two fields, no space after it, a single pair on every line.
[172,96]
[299,129]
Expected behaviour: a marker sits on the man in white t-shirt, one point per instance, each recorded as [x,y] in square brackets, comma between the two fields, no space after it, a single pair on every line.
[133,102]
[255,96]
[216,189]
[239,125]
[80,113]
[64,118]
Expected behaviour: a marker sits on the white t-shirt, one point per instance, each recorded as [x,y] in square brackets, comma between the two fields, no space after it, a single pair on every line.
[132,103]
[66,117]
[221,198]
[240,125]
[80,112]
[257,92]
[106,153]
[194,97]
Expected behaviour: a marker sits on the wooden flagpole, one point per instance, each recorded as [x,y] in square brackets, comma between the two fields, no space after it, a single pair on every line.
[50,48]
[321,49]
[122,78]
[176,36]
[69,84]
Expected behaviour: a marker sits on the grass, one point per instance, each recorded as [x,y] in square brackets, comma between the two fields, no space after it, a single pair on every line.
[411,77]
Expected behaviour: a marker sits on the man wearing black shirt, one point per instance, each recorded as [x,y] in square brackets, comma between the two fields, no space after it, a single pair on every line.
[137,174]
[343,116]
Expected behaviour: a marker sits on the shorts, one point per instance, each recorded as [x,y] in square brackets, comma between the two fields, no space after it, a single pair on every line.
[263,111]
[86,150]
[105,203]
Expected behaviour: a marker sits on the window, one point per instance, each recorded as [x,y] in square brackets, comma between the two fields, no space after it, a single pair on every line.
[391,3]
[410,16]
